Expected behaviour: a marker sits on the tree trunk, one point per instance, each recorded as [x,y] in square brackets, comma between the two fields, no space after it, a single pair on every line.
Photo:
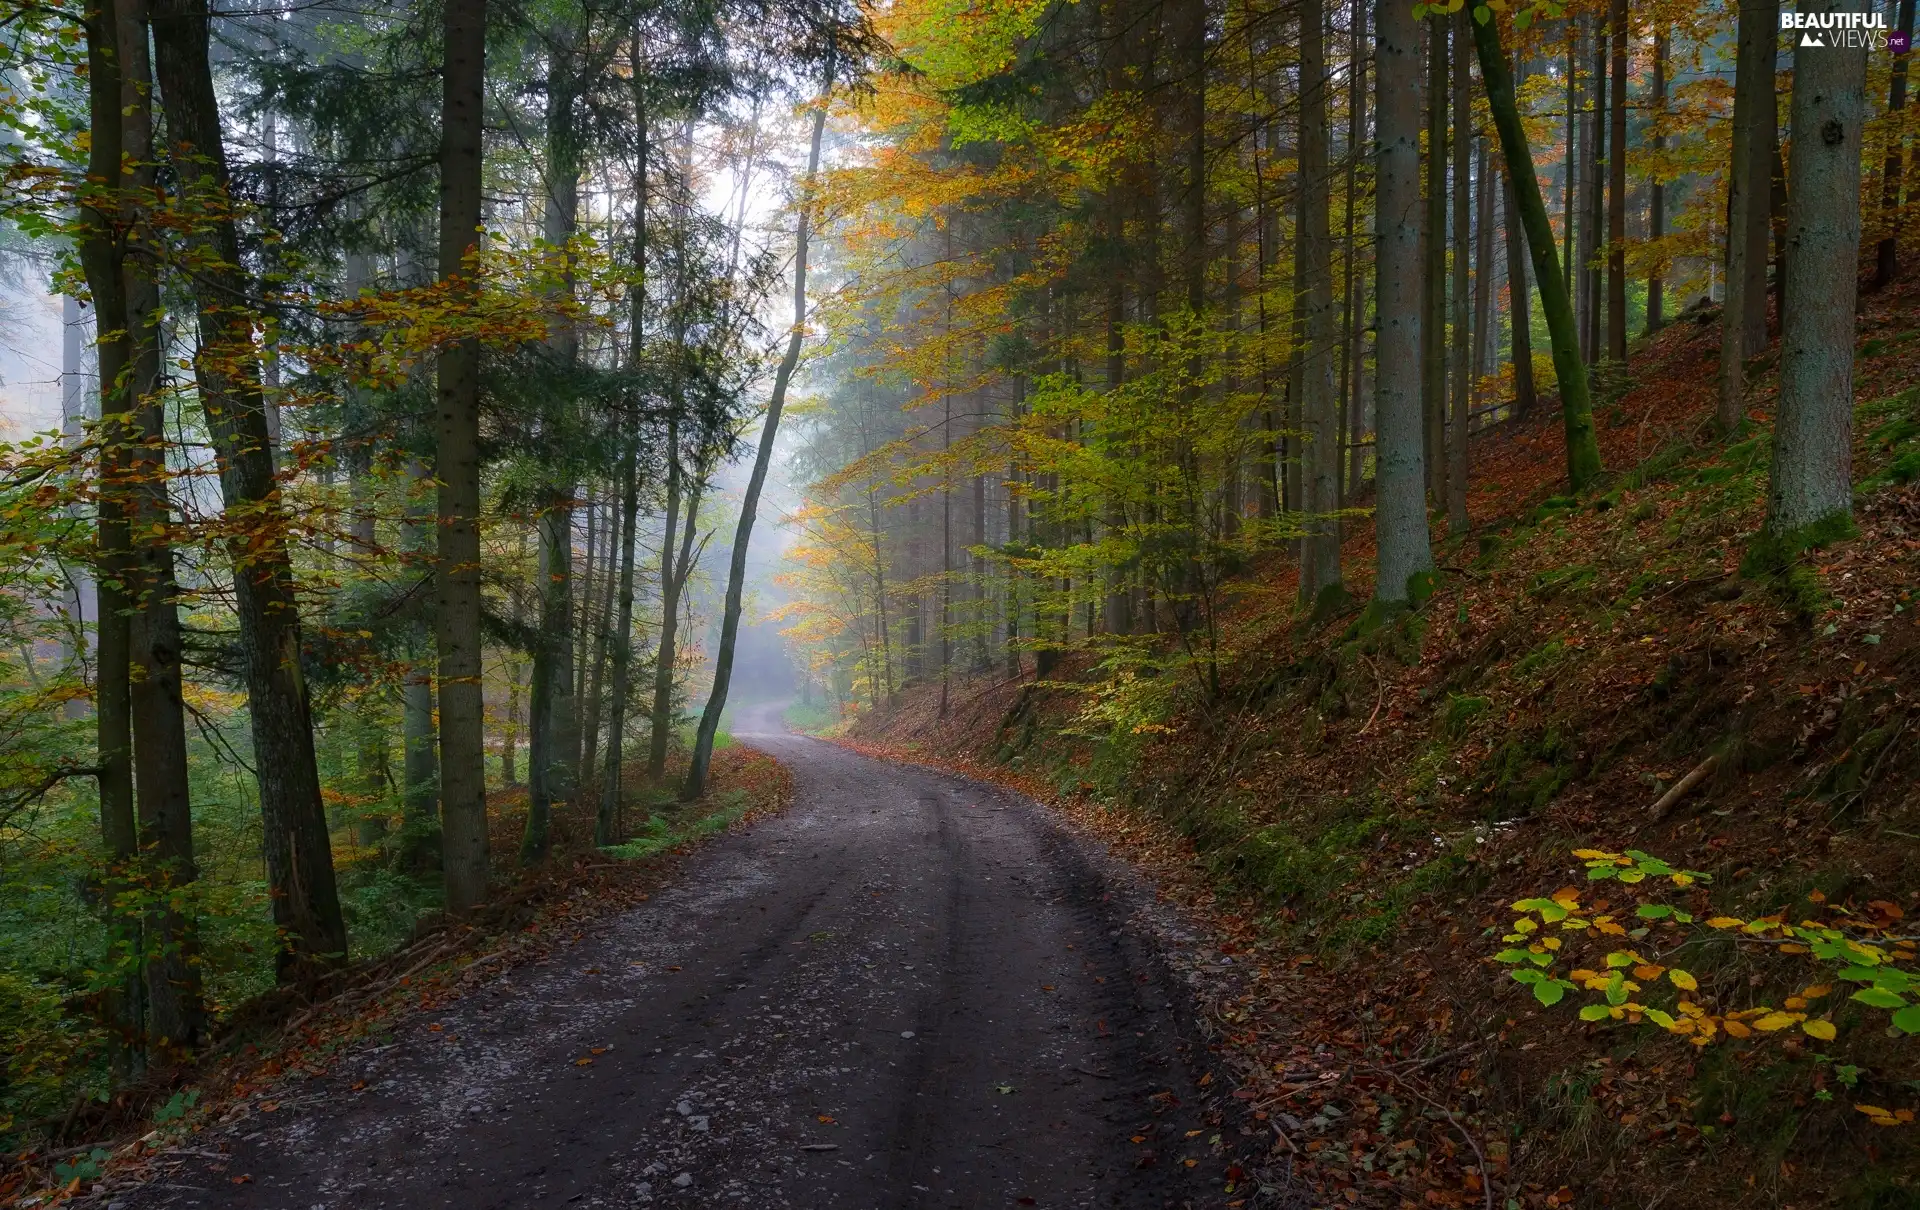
[1319,404]
[1462,391]
[104,206]
[1656,188]
[1810,492]
[1570,170]
[554,706]
[510,740]
[602,640]
[1486,351]
[1592,304]
[662,725]
[583,633]
[1400,477]
[176,1016]
[463,788]
[306,904]
[1743,319]
[551,702]
[696,783]
[1354,364]
[1576,406]
[1519,306]
[1617,192]
[1189,21]
[606,822]
[420,835]
[1434,324]
[1886,254]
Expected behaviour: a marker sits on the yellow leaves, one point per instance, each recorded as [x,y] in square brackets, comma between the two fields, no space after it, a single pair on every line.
[1817,991]
[1682,980]
[1737,1029]
[1886,1117]
[1595,855]
[1774,1021]
[1609,928]
[1725,922]
[1647,970]
[1823,1030]
[1567,897]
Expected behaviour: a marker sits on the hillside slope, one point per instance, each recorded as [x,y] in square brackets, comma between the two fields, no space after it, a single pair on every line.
[1358,811]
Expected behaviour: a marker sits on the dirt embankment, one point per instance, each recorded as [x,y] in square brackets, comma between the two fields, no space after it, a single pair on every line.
[1358,811]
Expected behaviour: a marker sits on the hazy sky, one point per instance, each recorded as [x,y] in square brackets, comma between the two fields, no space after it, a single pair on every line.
[29,356]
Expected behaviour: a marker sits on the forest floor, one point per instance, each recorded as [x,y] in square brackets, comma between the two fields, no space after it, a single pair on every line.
[1352,814]
[908,989]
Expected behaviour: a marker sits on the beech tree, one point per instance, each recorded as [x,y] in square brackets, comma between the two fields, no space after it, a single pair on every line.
[1810,489]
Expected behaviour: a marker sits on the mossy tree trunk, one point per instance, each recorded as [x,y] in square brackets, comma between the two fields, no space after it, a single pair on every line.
[1576,403]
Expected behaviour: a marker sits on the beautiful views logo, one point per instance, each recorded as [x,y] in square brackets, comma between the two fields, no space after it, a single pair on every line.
[1850,30]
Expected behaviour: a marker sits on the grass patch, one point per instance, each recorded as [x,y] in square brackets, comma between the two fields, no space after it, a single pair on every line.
[810,718]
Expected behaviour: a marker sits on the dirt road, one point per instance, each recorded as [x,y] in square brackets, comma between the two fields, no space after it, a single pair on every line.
[907,991]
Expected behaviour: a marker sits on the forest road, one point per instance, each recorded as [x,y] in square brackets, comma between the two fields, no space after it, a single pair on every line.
[908,990]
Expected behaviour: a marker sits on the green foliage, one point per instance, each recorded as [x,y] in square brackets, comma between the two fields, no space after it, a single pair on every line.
[42,1045]
[813,718]
[1861,947]
[1779,561]
[1459,713]
[82,1168]
[663,832]
[1526,771]
[177,1107]
[1546,585]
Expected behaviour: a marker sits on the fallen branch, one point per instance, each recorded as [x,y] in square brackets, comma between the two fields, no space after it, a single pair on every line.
[1380,696]
[1680,789]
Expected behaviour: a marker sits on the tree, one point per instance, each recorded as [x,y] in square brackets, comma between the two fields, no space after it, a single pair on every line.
[1434,323]
[1657,185]
[696,782]
[102,260]
[176,1014]
[1319,406]
[1617,189]
[1519,309]
[463,789]
[1743,320]
[1400,514]
[1886,253]
[1576,406]
[1810,488]
[306,904]
[1459,417]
